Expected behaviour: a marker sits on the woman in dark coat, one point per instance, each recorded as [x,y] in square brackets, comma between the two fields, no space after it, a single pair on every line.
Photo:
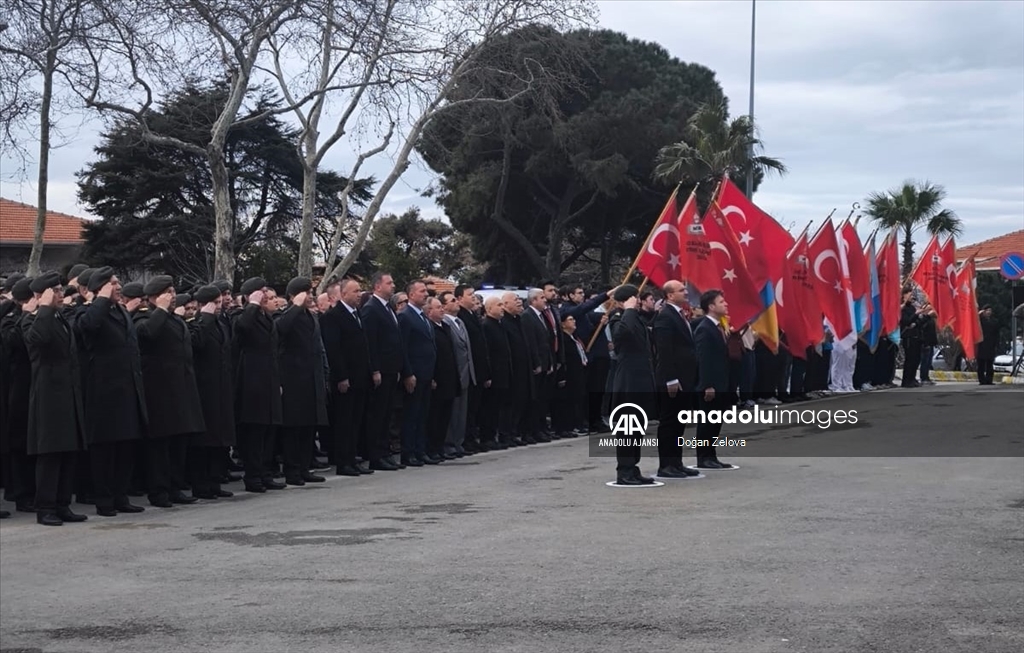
[211,346]
[172,398]
[55,436]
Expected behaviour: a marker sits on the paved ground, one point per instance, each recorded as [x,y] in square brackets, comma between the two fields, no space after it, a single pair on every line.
[527,550]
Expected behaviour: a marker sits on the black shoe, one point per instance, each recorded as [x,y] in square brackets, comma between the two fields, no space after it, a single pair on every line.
[106,512]
[161,502]
[429,459]
[128,507]
[451,456]
[383,465]
[271,484]
[672,472]
[48,519]
[66,515]
[686,470]
[628,479]
[364,467]
[708,464]
[223,494]
[528,439]
[24,507]
[4,514]
[348,470]
[255,487]
[412,461]
[206,496]
[644,480]
[541,437]
[299,482]
[313,478]
[722,465]
[180,498]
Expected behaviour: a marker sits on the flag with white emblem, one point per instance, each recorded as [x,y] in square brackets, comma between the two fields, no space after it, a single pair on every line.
[728,261]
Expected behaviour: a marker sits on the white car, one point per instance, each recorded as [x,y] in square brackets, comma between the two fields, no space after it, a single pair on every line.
[1005,362]
[492,291]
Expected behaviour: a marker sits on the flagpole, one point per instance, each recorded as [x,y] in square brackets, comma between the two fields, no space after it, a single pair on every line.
[647,241]
[802,234]
[750,145]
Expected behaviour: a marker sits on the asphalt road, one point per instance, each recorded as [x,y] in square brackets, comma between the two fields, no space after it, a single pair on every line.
[528,550]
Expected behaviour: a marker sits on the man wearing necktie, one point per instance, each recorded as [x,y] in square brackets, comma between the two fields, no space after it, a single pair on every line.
[676,372]
[711,342]
[465,366]
[420,359]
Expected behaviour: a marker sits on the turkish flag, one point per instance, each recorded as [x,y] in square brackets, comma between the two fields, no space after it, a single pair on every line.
[967,327]
[730,267]
[797,301]
[831,286]
[933,274]
[888,263]
[659,260]
[855,266]
[699,268]
[765,241]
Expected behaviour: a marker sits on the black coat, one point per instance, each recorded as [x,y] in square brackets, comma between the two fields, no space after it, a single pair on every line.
[910,323]
[478,345]
[987,348]
[383,339]
[712,357]
[574,371]
[499,355]
[168,374]
[538,341]
[257,378]
[929,332]
[7,307]
[19,369]
[676,356]
[521,388]
[634,369]
[56,423]
[113,394]
[348,353]
[300,356]
[212,352]
[420,350]
[446,367]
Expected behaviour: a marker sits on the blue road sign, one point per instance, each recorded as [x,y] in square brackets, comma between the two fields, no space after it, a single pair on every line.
[1011,266]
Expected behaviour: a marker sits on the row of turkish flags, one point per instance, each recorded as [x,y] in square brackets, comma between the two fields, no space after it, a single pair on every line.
[739,249]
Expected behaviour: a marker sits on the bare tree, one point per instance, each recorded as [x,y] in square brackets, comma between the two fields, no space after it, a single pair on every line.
[41,39]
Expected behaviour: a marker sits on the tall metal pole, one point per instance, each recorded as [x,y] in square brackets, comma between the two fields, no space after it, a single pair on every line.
[750,149]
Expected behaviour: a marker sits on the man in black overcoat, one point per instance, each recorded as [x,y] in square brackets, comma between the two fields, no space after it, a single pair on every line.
[56,429]
[445,385]
[21,481]
[113,395]
[172,398]
[257,384]
[711,342]
[515,419]
[348,357]
[303,386]
[495,397]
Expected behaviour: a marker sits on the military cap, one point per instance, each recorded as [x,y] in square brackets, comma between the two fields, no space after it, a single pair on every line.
[100,277]
[207,294]
[158,285]
[254,284]
[22,290]
[297,285]
[84,275]
[11,280]
[222,285]
[182,298]
[133,290]
[623,293]
[76,270]
[44,281]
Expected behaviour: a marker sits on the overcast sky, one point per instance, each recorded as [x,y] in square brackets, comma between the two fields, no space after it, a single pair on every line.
[853,96]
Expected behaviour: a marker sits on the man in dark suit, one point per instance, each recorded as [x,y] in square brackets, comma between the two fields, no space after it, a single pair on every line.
[351,380]
[542,360]
[988,347]
[481,365]
[496,396]
[710,340]
[455,438]
[20,486]
[421,358]
[634,375]
[910,338]
[387,360]
[676,376]
[446,384]
[515,419]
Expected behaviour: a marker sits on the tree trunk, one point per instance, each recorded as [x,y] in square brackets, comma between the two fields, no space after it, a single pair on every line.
[36,255]
[224,255]
[309,173]
[908,251]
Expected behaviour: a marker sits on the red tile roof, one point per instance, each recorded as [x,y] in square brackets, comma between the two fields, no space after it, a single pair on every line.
[992,249]
[18,224]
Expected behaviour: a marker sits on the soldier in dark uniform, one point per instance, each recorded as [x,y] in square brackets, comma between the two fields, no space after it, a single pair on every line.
[257,385]
[113,395]
[987,349]
[303,385]
[55,422]
[211,346]
[910,338]
[21,482]
[7,307]
[172,399]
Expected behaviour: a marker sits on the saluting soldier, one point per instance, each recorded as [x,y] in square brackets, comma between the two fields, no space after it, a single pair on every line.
[172,399]
[55,418]
[257,385]
[113,394]
[211,346]
[21,487]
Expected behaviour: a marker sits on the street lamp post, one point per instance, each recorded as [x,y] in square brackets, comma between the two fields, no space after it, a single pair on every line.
[750,147]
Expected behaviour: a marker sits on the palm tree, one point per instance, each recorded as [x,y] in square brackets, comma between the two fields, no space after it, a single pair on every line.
[909,207]
[713,146]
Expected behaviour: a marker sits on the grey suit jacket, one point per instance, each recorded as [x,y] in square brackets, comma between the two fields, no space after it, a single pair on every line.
[463,352]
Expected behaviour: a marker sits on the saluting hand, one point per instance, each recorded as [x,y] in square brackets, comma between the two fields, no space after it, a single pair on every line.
[256,298]
[180,310]
[300,299]
[31,305]
[107,290]
[48,298]
[209,307]
[164,301]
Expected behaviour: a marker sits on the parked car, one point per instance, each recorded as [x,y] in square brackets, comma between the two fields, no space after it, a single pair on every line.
[939,362]
[1004,363]
[498,291]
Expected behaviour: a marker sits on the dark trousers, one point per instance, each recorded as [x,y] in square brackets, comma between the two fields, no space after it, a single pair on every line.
[159,480]
[378,419]
[298,449]
[205,465]
[21,481]
[927,353]
[177,456]
[349,415]
[766,372]
[256,444]
[438,418]
[55,480]
[670,454]
[82,484]
[912,360]
[708,432]
[543,384]
[884,366]
[474,416]
[597,376]
[489,415]
[568,406]
[863,370]
[985,371]
[113,464]
[415,412]
[797,376]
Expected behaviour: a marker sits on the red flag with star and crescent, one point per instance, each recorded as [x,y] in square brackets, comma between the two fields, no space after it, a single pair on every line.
[765,242]
[889,286]
[729,266]
[831,285]
[933,274]
[967,326]
[797,301]
[659,261]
